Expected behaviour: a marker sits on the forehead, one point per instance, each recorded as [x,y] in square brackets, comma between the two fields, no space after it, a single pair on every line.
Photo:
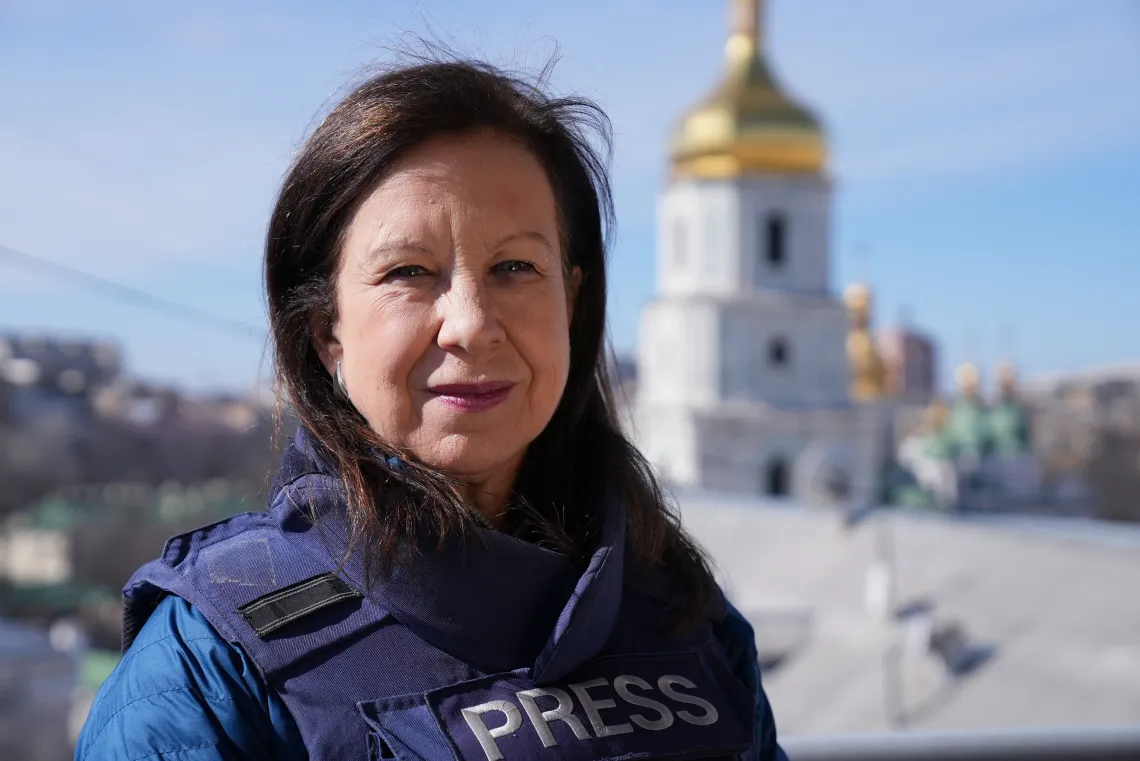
[487,172]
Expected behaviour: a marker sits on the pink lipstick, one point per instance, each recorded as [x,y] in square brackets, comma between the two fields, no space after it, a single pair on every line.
[473,397]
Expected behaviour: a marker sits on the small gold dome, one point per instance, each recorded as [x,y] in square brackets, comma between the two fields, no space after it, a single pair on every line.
[1006,377]
[968,378]
[748,124]
[857,297]
[869,375]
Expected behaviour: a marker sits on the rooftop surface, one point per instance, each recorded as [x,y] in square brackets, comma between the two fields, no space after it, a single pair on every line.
[1048,611]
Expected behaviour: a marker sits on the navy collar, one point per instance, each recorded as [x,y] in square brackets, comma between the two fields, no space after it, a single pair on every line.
[494,601]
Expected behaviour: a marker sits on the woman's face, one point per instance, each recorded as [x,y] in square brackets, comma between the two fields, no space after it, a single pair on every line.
[453,307]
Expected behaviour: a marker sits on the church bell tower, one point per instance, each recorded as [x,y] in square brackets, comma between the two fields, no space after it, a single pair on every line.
[744,326]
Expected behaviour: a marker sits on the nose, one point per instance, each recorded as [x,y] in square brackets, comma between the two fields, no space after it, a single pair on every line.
[469,320]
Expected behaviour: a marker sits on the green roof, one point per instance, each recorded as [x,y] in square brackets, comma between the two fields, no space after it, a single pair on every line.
[196,505]
[941,445]
[96,667]
[55,515]
[968,428]
[64,597]
[1009,428]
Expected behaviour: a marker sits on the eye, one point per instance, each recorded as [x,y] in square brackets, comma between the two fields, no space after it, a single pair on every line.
[406,272]
[514,267]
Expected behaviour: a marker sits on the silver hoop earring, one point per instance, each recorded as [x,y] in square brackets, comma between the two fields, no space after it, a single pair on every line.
[340,387]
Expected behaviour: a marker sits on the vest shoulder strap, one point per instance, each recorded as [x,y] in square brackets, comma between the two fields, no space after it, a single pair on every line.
[258,587]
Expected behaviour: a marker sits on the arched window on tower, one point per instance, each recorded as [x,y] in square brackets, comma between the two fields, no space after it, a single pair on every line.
[779,352]
[775,240]
[776,477]
[837,484]
[680,244]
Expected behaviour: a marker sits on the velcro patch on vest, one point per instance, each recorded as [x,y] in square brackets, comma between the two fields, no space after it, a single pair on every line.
[269,613]
[620,707]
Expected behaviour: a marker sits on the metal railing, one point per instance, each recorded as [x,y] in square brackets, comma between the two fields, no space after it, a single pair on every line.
[1075,744]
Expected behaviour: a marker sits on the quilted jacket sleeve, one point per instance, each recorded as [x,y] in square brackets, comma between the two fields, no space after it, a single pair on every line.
[739,641]
[182,692]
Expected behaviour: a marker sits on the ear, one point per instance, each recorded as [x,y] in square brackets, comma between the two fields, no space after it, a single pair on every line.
[573,285]
[326,343]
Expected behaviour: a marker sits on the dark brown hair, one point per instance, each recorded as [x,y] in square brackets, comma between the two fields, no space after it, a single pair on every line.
[582,453]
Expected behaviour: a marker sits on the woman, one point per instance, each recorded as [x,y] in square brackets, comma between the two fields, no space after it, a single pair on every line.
[462,557]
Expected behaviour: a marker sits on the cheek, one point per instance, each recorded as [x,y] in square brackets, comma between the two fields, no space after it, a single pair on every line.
[383,338]
[543,337]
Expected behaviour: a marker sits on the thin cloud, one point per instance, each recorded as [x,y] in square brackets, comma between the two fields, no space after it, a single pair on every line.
[1050,88]
[1021,140]
[909,92]
[75,210]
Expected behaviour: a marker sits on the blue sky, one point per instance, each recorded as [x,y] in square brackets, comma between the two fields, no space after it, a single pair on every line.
[986,154]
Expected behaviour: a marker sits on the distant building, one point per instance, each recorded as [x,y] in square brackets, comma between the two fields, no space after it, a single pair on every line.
[53,378]
[978,455]
[34,555]
[49,426]
[69,415]
[94,537]
[624,373]
[911,360]
[38,677]
[623,379]
[1087,431]
[744,379]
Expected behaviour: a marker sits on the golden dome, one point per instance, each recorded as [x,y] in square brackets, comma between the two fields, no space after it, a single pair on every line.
[747,124]
[868,370]
[857,297]
[1006,377]
[968,378]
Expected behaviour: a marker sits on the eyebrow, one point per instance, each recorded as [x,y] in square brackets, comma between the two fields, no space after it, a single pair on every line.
[396,246]
[533,235]
[408,245]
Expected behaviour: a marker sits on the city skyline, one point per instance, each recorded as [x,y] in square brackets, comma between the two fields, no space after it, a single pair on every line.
[986,158]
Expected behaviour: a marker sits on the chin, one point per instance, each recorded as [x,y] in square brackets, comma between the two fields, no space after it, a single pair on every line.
[466,454]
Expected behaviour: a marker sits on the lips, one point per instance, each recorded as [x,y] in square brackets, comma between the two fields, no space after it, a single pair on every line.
[473,397]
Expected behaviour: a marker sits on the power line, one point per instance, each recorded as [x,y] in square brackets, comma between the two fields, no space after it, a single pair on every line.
[126,294]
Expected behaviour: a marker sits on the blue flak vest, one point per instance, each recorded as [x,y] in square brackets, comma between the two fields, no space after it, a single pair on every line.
[477,652]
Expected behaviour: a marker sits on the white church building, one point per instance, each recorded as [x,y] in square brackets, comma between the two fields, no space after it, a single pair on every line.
[743,374]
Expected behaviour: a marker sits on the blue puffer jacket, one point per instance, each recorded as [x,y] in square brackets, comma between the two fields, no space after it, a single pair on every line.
[183,693]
